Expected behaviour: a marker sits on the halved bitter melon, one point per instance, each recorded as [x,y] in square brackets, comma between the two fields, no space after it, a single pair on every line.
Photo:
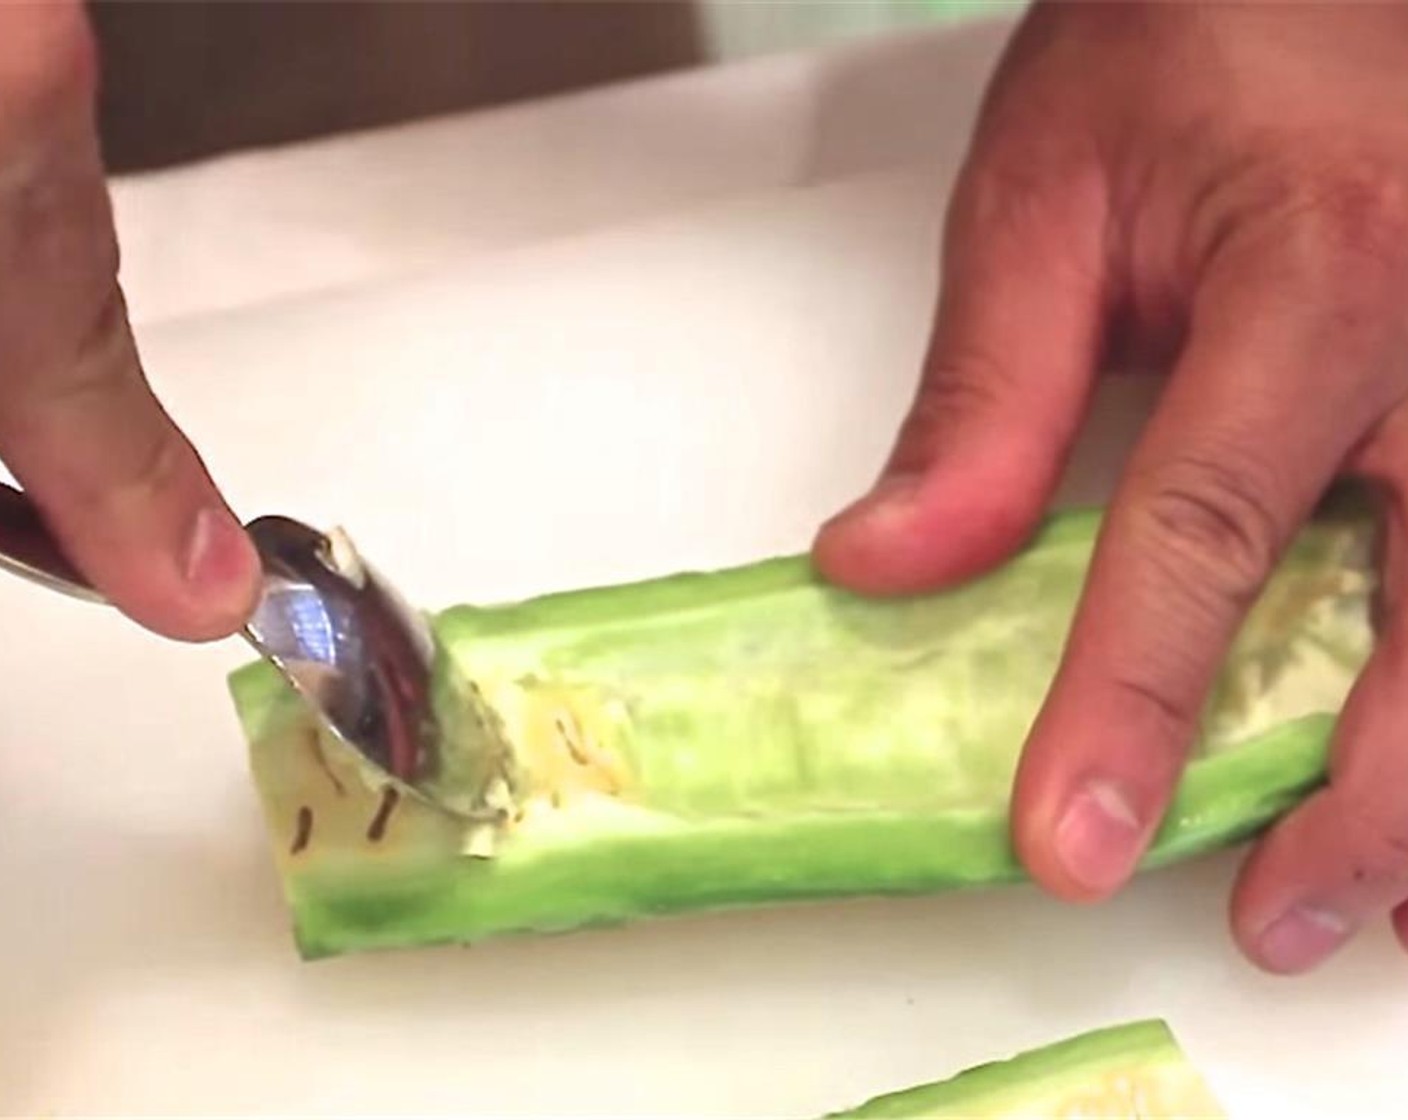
[1130,1071]
[755,735]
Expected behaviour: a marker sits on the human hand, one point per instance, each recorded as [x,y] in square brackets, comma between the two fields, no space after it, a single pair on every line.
[1226,185]
[122,489]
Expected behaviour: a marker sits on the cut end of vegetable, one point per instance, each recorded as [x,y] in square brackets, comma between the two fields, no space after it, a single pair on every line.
[1132,1071]
[756,736]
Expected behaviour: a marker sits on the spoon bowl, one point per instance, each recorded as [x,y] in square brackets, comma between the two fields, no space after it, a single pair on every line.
[348,643]
[337,631]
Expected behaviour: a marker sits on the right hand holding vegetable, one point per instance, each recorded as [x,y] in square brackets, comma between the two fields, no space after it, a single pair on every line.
[1229,184]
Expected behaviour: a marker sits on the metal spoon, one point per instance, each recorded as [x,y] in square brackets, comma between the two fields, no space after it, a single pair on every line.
[337,631]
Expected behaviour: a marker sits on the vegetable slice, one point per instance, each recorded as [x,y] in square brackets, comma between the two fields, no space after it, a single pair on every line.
[1131,1071]
[755,735]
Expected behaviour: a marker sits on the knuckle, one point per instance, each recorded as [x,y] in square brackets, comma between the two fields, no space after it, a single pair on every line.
[1347,228]
[997,192]
[1152,689]
[964,386]
[1377,838]
[1209,526]
[1364,210]
[1039,207]
[93,379]
[159,461]
[133,472]
[102,349]
[960,392]
[97,363]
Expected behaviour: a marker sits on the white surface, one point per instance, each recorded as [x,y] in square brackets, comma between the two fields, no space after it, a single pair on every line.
[263,225]
[561,414]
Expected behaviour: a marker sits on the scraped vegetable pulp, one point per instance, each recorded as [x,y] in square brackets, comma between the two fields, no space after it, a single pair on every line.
[754,736]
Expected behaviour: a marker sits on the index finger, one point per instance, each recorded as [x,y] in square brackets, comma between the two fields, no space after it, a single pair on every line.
[1247,435]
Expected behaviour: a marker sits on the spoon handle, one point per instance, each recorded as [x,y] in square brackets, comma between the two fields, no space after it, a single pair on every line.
[28,549]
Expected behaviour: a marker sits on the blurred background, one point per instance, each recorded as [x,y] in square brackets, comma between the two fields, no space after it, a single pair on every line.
[741,28]
[187,79]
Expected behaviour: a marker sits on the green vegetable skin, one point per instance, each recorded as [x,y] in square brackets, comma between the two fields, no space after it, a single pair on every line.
[1132,1070]
[756,736]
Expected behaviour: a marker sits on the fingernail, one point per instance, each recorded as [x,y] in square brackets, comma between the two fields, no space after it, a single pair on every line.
[1301,938]
[1097,839]
[219,556]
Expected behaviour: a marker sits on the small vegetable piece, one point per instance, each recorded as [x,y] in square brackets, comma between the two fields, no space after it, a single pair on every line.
[1132,1071]
[755,736]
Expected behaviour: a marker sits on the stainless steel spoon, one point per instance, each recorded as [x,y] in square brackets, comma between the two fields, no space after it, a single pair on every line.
[337,631]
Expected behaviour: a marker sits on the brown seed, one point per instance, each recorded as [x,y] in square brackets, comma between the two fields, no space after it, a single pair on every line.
[303,830]
[377,829]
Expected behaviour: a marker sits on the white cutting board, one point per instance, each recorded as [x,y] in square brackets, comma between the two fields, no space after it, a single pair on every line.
[690,393]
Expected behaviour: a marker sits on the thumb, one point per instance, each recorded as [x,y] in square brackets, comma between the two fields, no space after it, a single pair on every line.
[122,489]
[1012,356]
